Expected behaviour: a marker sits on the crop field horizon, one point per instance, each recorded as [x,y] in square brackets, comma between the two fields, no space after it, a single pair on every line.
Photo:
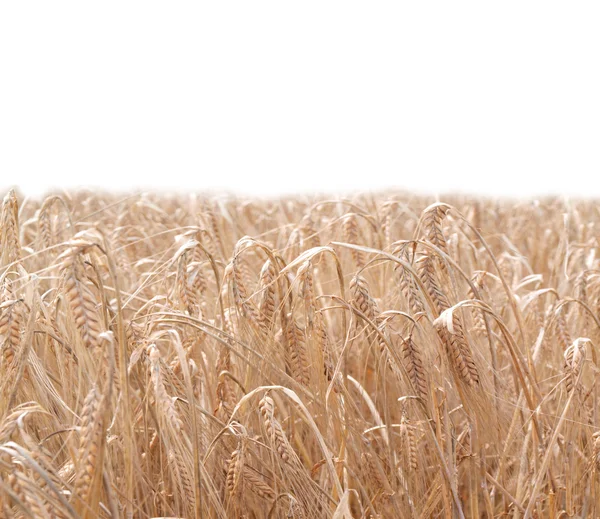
[372,355]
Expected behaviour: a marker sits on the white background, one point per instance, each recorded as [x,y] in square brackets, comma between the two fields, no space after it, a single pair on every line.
[277,97]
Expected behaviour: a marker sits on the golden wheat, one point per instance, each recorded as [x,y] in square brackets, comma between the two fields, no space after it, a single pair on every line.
[371,356]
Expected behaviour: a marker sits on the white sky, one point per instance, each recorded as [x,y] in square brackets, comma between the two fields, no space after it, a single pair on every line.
[271,97]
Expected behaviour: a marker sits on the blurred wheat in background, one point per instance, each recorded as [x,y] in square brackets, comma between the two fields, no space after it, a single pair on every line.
[372,356]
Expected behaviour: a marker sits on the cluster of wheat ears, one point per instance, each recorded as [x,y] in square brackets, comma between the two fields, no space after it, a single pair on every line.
[370,356]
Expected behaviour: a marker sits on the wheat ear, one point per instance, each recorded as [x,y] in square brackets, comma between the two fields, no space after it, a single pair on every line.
[274,430]
[574,358]
[432,223]
[266,307]
[351,235]
[296,351]
[81,299]
[90,455]
[10,242]
[413,363]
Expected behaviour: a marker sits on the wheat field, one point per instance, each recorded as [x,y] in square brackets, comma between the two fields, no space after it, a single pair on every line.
[369,356]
